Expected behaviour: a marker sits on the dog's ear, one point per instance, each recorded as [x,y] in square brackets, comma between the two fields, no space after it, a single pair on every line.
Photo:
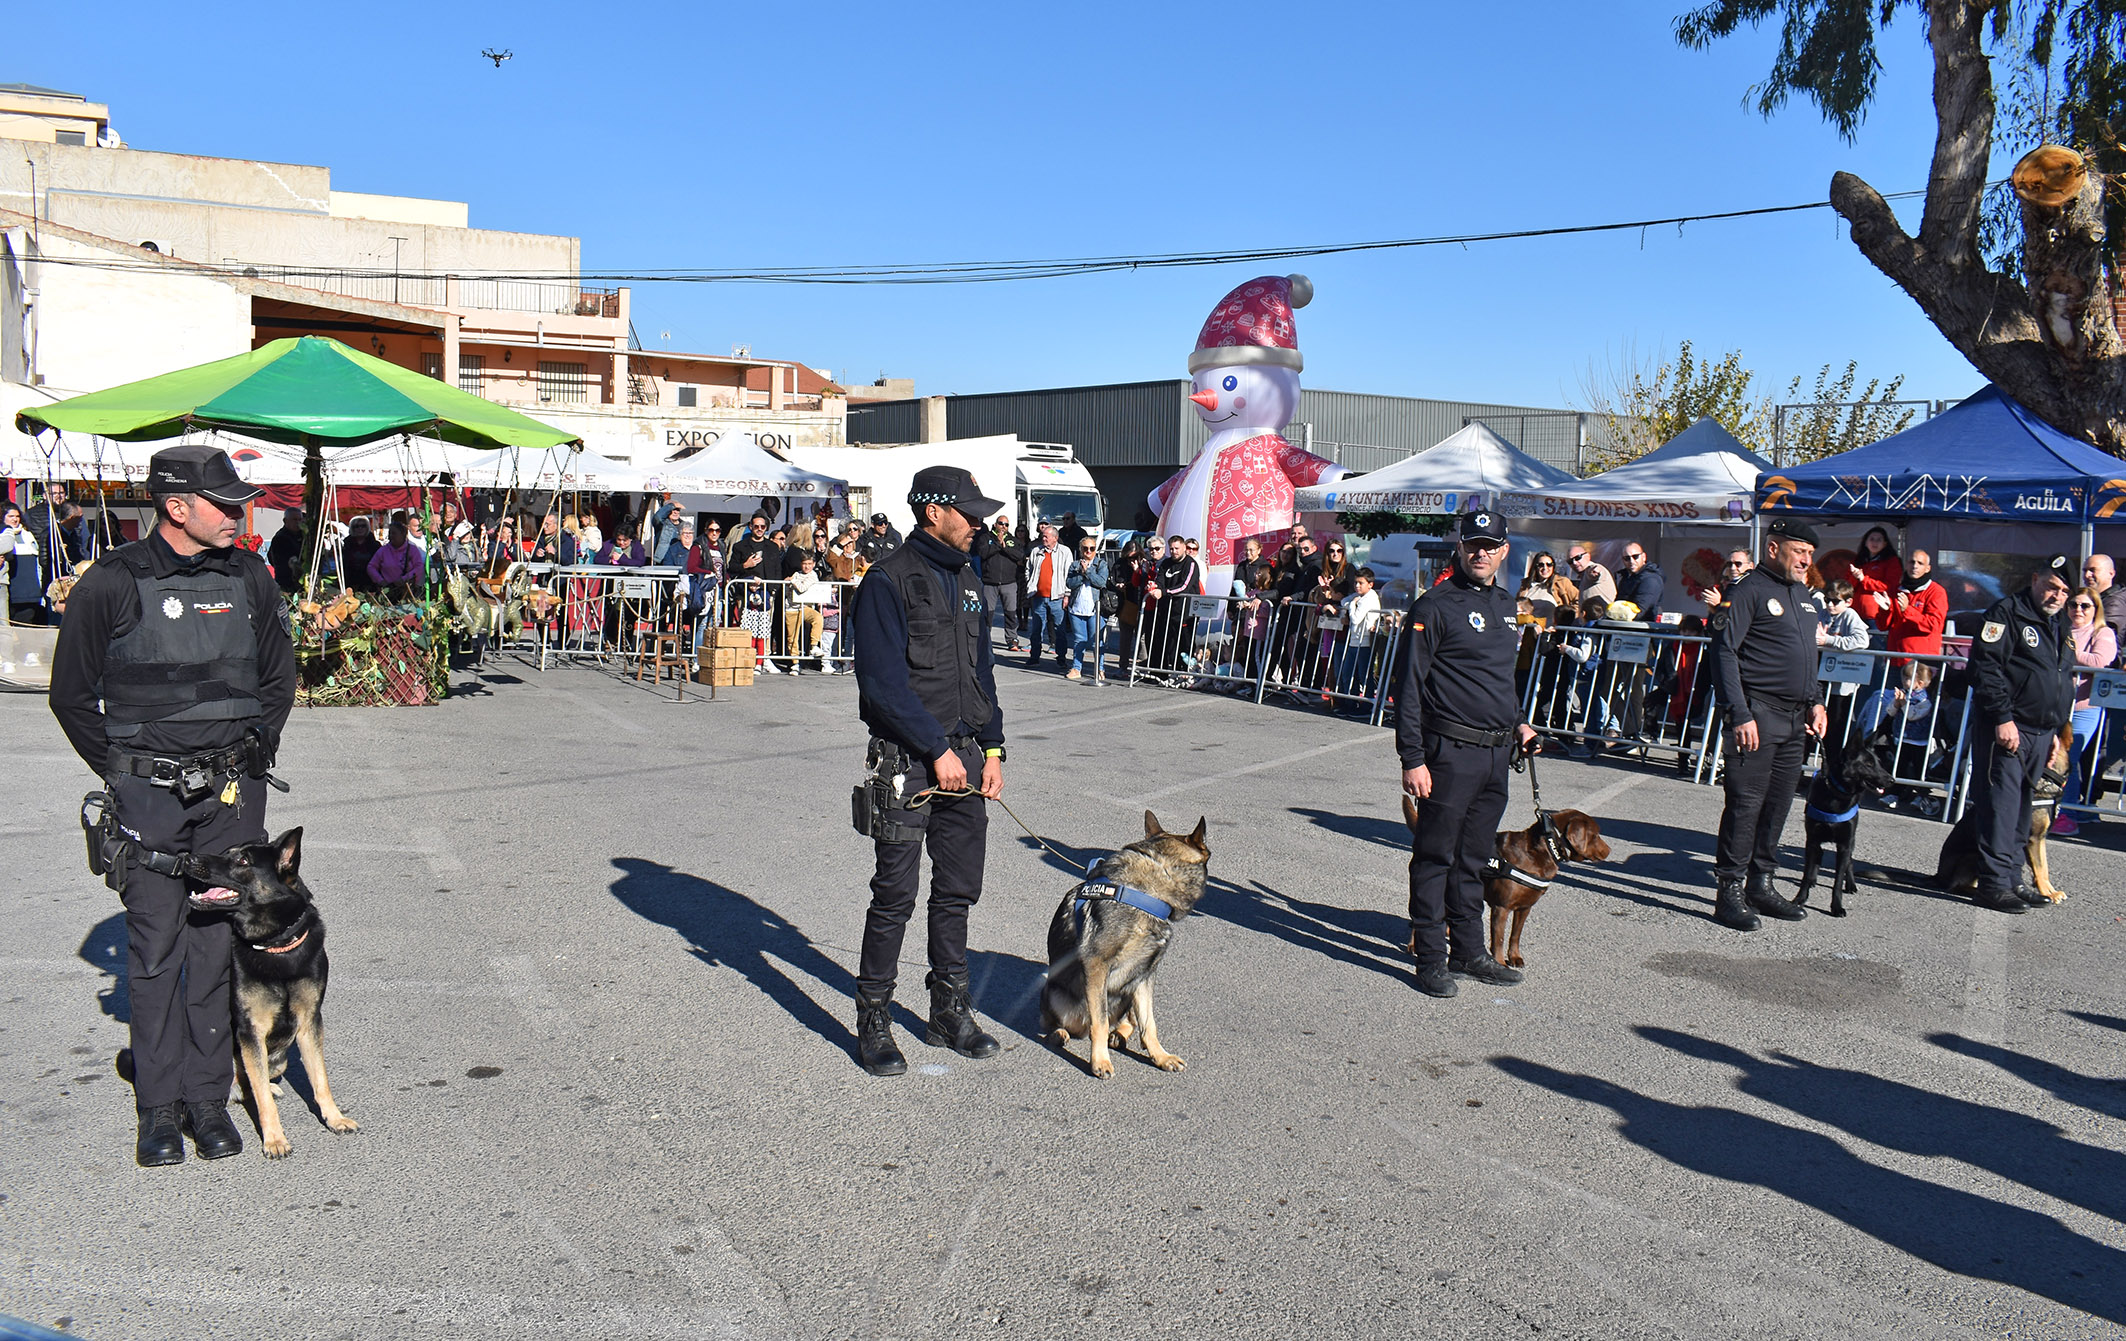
[1151,825]
[1195,839]
[291,851]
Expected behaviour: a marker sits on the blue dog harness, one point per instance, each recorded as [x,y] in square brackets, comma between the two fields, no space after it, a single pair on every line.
[1826,817]
[1123,894]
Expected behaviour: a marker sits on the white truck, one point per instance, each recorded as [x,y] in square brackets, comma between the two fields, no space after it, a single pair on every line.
[1038,481]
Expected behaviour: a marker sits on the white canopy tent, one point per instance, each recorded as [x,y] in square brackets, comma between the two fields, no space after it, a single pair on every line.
[736,475]
[1467,470]
[1702,476]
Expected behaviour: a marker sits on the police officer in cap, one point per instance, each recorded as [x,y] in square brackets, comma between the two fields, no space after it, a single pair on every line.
[1764,676]
[927,689]
[880,539]
[172,679]
[1458,722]
[2022,689]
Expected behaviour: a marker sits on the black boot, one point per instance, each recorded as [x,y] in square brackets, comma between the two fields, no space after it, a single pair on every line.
[1766,900]
[952,1022]
[875,1048]
[1999,900]
[1485,969]
[161,1138]
[213,1135]
[1730,908]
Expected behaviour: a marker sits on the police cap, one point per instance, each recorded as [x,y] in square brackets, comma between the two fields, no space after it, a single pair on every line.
[2056,566]
[1481,528]
[1791,528]
[196,468]
[953,487]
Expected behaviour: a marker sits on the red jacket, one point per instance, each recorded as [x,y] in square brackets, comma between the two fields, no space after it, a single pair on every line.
[1875,585]
[1917,619]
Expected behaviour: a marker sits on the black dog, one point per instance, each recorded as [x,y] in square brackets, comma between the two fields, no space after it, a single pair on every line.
[280,972]
[1848,778]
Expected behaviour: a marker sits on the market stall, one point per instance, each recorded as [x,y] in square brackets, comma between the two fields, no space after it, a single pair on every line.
[736,477]
[353,418]
[1465,472]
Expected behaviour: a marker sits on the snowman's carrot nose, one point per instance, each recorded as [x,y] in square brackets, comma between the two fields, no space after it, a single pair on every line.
[1207,398]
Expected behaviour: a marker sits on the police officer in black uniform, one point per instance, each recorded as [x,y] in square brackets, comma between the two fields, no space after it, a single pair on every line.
[172,678]
[1764,676]
[880,539]
[2022,688]
[927,689]
[1457,724]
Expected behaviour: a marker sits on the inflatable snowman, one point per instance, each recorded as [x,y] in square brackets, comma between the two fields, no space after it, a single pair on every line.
[1246,388]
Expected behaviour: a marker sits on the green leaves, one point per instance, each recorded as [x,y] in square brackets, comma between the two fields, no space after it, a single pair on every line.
[1826,50]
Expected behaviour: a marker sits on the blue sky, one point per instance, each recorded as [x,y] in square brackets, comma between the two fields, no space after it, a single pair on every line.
[779,135]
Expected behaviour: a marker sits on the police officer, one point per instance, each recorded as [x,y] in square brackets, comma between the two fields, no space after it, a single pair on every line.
[172,679]
[2022,686]
[927,689]
[1458,721]
[880,540]
[1764,676]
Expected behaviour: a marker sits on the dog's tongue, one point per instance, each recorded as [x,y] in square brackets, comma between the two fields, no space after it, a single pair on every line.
[218,894]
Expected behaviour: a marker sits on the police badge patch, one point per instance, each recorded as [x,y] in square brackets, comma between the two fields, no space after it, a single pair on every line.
[1774,606]
[2029,636]
[172,608]
[1476,620]
[1992,632]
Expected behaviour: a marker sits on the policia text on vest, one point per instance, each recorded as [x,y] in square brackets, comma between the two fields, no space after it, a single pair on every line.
[172,678]
[926,688]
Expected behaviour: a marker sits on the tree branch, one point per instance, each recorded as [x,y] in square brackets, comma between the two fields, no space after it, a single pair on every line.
[1963,110]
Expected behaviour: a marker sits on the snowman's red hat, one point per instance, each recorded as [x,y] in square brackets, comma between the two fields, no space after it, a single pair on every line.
[1253,324]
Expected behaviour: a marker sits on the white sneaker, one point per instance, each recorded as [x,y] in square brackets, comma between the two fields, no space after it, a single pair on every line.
[819,651]
[770,668]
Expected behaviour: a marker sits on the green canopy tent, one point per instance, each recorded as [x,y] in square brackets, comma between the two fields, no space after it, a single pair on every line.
[308,391]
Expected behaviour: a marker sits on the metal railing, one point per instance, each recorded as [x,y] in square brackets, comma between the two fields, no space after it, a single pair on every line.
[1634,688]
[793,629]
[1259,647]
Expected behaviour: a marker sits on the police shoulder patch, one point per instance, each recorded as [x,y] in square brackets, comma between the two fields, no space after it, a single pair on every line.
[2029,636]
[1992,632]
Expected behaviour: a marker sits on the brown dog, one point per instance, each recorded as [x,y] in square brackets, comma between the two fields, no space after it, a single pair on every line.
[1524,851]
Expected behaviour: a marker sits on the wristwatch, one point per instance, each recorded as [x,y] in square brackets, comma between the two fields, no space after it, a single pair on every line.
[995,752]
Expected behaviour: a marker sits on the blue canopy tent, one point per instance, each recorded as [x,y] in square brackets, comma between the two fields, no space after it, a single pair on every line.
[1987,460]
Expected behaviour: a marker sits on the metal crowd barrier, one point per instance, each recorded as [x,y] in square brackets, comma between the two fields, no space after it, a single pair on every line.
[1633,688]
[2099,749]
[1258,646]
[608,612]
[797,628]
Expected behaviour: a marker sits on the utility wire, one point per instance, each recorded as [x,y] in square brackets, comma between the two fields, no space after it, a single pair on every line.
[945,272]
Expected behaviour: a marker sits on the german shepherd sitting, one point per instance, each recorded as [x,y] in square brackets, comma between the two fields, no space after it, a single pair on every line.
[1105,943]
[1526,851]
[1831,817]
[280,972]
[1957,869]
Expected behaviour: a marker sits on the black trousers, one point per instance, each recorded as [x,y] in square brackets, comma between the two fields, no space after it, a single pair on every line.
[2001,787]
[177,960]
[1760,791]
[1457,833]
[1004,600]
[957,834]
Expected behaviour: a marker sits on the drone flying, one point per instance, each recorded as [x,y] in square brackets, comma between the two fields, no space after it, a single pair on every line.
[497,56]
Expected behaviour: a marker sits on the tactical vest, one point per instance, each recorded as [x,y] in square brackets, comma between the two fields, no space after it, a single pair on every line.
[945,630]
[193,657]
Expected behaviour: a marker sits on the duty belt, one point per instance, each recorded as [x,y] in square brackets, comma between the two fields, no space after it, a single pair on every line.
[1469,735]
[1779,701]
[165,771]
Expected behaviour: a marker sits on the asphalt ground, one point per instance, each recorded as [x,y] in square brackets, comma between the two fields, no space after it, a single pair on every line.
[590,1004]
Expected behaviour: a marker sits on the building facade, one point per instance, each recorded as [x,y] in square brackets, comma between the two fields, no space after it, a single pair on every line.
[122,263]
[1133,435]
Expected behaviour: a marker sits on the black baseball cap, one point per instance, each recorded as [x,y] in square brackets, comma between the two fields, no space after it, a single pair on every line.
[196,468]
[1792,528]
[1482,526]
[953,487]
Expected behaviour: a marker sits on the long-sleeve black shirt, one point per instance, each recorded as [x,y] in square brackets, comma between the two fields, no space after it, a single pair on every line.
[1764,644]
[2022,665]
[880,625]
[105,606]
[1463,642]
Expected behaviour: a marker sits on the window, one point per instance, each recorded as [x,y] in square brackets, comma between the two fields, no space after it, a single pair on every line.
[432,366]
[564,383]
[80,137]
[470,368]
[686,396]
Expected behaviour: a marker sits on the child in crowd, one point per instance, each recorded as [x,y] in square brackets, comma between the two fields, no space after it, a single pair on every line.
[1839,628]
[1909,711]
[803,623]
[1585,651]
[1361,612]
[1258,594]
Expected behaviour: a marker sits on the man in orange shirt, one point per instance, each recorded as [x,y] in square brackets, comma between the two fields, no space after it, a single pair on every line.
[1046,568]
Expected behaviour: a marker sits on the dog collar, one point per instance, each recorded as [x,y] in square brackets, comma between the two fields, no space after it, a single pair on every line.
[1826,817]
[283,949]
[1124,894]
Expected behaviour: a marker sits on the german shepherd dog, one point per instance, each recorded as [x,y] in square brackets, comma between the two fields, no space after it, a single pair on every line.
[1101,959]
[1849,776]
[1524,850]
[280,972]
[1957,869]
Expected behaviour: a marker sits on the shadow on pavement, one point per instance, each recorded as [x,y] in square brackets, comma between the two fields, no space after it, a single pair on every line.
[1386,832]
[1083,856]
[2101,1021]
[104,948]
[1361,936]
[2097,1093]
[1957,1231]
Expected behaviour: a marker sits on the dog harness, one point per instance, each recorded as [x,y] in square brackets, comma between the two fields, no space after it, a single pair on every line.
[1119,893]
[1495,869]
[1826,817]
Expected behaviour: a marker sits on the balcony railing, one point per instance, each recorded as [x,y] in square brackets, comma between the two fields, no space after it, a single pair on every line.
[559,297]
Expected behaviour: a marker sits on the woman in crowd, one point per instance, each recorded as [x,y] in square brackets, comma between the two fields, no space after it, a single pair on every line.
[1132,574]
[2096,645]
[1548,590]
[705,578]
[675,554]
[502,551]
[1876,575]
[25,579]
[1337,571]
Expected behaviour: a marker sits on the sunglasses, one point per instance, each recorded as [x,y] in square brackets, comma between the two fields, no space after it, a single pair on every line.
[1544,563]
[2085,605]
[1577,558]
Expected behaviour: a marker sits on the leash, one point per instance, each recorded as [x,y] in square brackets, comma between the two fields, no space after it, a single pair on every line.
[925,796]
[1524,762]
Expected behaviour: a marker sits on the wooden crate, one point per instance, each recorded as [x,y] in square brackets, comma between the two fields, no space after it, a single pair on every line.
[733,677]
[732,638]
